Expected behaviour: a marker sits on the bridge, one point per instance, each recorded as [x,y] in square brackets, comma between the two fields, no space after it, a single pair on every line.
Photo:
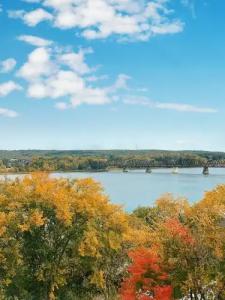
[149,167]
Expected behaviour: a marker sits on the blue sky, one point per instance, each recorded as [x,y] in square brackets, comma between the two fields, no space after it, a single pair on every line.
[104,74]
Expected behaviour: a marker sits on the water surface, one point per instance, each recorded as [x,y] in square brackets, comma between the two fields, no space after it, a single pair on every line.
[136,188]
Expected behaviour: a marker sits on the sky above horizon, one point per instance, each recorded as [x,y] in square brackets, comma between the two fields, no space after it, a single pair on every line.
[112,74]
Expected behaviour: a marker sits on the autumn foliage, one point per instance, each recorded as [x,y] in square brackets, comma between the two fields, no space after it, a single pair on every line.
[147,279]
[176,230]
[190,241]
[63,239]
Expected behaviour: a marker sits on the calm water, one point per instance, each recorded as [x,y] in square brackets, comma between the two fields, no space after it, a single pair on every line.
[137,188]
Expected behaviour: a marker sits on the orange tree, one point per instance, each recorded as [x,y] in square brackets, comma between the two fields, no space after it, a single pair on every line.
[62,239]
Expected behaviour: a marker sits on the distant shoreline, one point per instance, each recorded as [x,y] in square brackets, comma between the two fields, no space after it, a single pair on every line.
[112,170]
[57,171]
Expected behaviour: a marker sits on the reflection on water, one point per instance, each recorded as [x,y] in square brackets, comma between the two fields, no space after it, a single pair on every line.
[137,188]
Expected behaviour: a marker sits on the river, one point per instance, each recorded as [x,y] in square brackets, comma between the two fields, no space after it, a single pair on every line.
[137,188]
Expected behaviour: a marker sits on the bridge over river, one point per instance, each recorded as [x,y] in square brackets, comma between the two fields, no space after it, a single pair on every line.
[175,167]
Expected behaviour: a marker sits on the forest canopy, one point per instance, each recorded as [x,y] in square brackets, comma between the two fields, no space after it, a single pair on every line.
[63,239]
[104,160]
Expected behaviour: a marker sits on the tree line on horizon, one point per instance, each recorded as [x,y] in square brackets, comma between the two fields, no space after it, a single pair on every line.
[105,160]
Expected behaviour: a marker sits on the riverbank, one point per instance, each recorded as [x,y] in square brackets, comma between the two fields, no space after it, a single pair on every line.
[53,171]
[109,170]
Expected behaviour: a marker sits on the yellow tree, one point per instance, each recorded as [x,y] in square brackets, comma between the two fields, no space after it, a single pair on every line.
[61,239]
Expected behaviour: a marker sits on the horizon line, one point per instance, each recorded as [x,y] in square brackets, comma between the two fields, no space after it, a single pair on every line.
[115,149]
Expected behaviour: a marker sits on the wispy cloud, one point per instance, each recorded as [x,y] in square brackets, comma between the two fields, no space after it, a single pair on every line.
[62,106]
[185,107]
[55,74]
[190,4]
[31,18]
[7,65]
[129,19]
[64,75]
[8,87]
[34,40]
[8,113]
[180,107]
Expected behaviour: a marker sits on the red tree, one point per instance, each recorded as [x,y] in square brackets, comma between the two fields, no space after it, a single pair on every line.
[147,280]
[176,230]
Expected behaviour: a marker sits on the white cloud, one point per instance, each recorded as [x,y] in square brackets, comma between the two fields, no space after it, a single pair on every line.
[36,16]
[180,107]
[185,107]
[169,28]
[31,18]
[121,82]
[38,65]
[8,87]
[65,75]
[75,61]
[34,40]
[7,65]
[98,19]
[60,84]
[137,100]
[92,96]
[8,113]
[94,78]
[62,106]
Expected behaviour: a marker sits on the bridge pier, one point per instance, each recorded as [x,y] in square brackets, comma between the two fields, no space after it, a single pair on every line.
[175,170]
[148,170]
[205,170]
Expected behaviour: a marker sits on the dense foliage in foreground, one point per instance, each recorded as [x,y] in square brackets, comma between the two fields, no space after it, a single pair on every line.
[62,239]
